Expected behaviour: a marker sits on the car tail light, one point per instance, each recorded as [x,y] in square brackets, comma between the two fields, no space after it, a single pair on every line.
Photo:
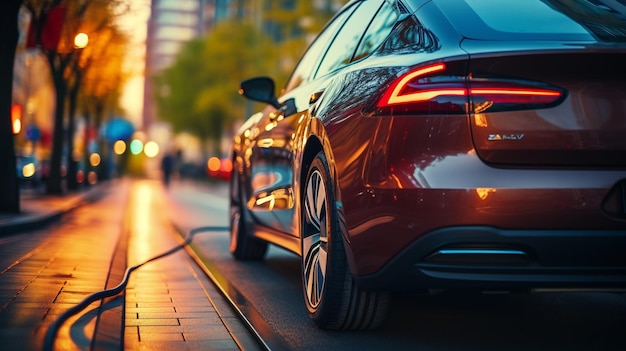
[432,90]
[427,90]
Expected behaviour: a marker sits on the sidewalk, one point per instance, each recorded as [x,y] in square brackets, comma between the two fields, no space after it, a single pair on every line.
[39,210]
[168,304]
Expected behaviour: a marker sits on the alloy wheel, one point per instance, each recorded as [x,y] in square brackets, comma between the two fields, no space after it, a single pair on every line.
[315,238]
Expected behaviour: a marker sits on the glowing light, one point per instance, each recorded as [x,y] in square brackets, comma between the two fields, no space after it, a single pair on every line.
[511,91]
[17,126]
[119,147]
[426,95]
[396,98]
[483,193]
[151,149]
[16,116]
[92,178]
[94,159]
[227,165]
[81,40]
[136,147]
[213,164]
[80,177]
[28,170]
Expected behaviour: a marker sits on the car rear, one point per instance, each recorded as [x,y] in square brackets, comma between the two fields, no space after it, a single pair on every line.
[530,191]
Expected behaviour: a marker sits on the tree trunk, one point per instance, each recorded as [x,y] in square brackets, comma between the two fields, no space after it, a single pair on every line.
[86,148]
[9,187]
[55,181]
[72,164]
[102,170]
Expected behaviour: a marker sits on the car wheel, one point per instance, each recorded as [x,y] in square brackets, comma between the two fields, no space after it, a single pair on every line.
[242,245]
[332,297]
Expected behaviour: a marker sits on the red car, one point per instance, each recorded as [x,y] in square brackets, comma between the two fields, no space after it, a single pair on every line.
[454,144]
[219,168]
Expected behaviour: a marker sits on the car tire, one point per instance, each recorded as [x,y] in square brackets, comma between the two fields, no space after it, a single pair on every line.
[333,299]
[243,246]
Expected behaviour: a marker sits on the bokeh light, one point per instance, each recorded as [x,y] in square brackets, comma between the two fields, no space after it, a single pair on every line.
[227,165]
[151,149]
[136,146]
[94,159]
[17,126]
[213,164]
[80,177]
[16,116]
[92,177]
[81,40]
[119,147]
[28,170]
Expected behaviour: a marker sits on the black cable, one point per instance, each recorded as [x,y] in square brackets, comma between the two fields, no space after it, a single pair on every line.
[56,325]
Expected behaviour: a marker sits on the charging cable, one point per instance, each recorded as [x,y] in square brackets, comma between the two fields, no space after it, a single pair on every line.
[56,325]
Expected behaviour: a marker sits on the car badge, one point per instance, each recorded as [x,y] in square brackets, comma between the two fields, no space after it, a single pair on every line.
[500,137]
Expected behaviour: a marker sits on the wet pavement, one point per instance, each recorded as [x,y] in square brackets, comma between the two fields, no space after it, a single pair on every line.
[47,269]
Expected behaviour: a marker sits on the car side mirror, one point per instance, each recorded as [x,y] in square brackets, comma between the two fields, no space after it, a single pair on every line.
[260,89]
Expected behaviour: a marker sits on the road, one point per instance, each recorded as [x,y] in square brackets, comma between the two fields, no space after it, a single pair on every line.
[540,321]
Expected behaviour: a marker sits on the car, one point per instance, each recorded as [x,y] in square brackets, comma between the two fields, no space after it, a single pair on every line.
[28,170]
[219,168]
[191,170]
[431,145]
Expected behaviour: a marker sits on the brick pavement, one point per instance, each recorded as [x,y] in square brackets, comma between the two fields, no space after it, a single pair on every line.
[169,304]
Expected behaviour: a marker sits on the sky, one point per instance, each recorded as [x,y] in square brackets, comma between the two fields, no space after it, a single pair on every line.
[135,24]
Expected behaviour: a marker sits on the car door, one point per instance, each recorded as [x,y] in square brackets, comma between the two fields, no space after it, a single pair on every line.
[272,178]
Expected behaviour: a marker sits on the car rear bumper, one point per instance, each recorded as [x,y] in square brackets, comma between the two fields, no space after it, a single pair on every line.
[481,257]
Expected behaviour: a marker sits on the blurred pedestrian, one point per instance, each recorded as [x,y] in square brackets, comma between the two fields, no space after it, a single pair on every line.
[167,166]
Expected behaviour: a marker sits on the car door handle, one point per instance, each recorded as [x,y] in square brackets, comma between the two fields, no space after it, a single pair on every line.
[315,97]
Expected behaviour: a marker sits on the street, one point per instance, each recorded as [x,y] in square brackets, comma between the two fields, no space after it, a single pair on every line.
[269,292]
[541,321]
[432,175]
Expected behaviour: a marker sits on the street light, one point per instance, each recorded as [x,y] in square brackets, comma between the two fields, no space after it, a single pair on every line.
[16,118]
[81,40]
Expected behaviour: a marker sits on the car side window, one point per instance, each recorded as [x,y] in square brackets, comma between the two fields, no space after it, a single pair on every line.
[310,60]
[378,30]
[342,49]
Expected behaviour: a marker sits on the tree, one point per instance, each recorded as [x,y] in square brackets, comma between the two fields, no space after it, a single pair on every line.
[102,77]
[9,189]
[198,93]
[61,58]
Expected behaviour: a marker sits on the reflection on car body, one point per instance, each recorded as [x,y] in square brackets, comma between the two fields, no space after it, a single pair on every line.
[426,145]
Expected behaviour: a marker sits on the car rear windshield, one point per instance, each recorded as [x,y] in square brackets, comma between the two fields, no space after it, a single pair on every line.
[590,20]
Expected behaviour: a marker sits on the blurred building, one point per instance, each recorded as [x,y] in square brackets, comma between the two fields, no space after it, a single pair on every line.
[171,23]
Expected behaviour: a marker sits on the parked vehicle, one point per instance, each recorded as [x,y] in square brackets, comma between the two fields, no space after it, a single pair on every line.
[219,168]
[454,144]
